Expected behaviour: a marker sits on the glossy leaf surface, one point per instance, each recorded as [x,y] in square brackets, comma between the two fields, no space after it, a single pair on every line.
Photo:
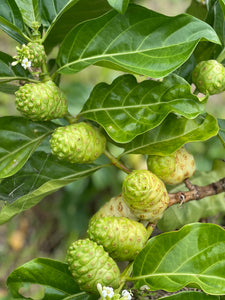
[178,215]
[19,139]
[192,256]
[29,10]
[126,108]
[119,5]
[140,41]
[190,295]
[221,133]
[42,175]
[53,275]
[172,134]
[60,22]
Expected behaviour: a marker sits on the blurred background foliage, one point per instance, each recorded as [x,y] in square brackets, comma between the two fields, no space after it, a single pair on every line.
[48,228]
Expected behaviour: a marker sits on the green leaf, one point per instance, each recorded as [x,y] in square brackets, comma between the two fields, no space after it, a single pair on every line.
[221,133]
[13,31]
[191,295]
[29,10]
[126,108]
[172,134]
[194,256]
[58,22]
[8,88]
[42,175]
[140,41]
[197,9]
[222,3]
[19,139]
[178,215]
[53,275]
[119,5]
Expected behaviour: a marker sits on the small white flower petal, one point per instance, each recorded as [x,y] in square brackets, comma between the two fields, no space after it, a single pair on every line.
[107,291]
[14,63]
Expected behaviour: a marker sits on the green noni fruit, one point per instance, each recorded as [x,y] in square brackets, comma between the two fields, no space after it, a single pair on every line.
[77,143]
[90,264]
[209,77]
[41,102]
[174,168]
[122,238]
[33,52]
[145,194]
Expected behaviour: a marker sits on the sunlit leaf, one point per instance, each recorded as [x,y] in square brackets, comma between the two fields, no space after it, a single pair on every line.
[29,10]
[119,5]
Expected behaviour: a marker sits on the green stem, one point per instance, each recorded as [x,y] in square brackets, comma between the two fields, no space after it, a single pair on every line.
[45,75]
[71,119]
[116,162]
[8,79]
[221,56]
[126,273]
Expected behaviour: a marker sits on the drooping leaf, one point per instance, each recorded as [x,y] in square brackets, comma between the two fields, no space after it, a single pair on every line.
[126,108]
[30,11]
[178,215]
[19,139]
[66,15]
[119,5]
[190,295]
[194,256]
[221,132]
[140,41]
[53,275]
[172,134]
[42,175]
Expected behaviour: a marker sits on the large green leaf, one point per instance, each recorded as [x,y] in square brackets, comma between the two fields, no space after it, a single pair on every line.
[119,5]
[53,275]
[60,22]
[29,10]
[194,256]
[172,134]
[42,175]
[190,295]
[19,139]
[222,3]
[8,88]
[221,133]
[140,41]
[126,108]
[178,215]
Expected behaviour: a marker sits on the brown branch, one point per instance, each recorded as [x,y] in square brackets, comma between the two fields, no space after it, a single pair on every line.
[197,192]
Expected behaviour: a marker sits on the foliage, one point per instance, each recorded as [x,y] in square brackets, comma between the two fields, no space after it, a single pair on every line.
[150,108]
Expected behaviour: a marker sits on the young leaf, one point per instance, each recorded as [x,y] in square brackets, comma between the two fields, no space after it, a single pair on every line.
[119,5]
[172,134]
[192,256]
[19,139]
[190,295]
[53,275]
[58,22]
[29,10]
[140,41]
[126,108]
[178,215]
[221,132]
[42,175]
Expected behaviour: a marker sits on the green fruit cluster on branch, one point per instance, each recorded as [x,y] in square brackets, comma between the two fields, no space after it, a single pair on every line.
[174,168]
[77,143]
[90,264]
[209,77]
[42,101]
[145,194]
[121,237]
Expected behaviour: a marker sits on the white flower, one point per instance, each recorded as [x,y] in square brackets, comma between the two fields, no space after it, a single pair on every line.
[26,63]
[126,294]
[107,291]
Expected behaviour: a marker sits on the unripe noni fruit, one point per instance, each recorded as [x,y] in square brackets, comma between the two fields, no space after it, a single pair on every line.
[77,143]
[174,168]
[122,238]
[90,264]
[145,194]
[33,52]
[41,102]
[209,76]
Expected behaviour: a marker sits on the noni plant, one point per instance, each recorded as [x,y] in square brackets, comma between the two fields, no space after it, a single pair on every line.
[135,156]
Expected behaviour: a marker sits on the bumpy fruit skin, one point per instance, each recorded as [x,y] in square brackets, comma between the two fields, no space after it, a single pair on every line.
[145,194]
[90,264]
[41,102]
[122,238]
[174,168]
[209,76]
[77,143]
[34,52]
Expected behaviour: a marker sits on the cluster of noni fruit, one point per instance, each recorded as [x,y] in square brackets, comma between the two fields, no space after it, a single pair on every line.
[121,227]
